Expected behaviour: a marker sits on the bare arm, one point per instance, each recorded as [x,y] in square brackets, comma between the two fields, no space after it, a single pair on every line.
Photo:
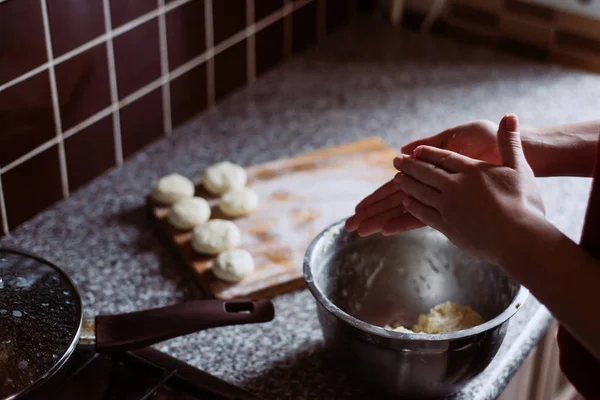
[566,150]
[563,277]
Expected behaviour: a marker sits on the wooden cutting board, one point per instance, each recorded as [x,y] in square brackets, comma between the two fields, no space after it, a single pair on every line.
[300,196]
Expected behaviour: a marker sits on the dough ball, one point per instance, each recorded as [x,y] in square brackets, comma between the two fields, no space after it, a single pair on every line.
[216,236]
[443,318]
[448,317]
[189,212]
[171,188]
[233,265]
[238,202]
[224,176]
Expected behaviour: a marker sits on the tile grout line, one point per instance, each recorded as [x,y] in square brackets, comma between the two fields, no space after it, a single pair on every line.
[62,161]
[102,39]
[86,46]
[115,106]
[288,7]
[301,3]
[175,4]
[188,66]
[164,66]
[269,19]
[138,94]
[232,40]
[90,121]
[250,43]
[112,74]
[5,229]
[24,77]
[128,26]
[27,156]
[95,42]
[210,64]
[78,50]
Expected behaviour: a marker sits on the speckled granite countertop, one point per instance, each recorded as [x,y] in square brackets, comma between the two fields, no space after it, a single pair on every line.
[367,80]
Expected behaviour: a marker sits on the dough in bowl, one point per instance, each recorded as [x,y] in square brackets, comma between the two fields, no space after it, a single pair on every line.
[188,212]
[443,318]
[171,188]
[233,265]
[238,202]
[224,176]
[216,236]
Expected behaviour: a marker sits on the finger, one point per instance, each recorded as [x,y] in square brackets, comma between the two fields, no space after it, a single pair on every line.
[392,201]
[438,140]
[509,142]
[383,205]
[420,191]
[426,215]
[385,190]
[373,225]
[352,223]
[422,171]
[403,223]
[445,159]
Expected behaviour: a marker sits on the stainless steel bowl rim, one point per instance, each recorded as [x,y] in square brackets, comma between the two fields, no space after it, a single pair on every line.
[514,306]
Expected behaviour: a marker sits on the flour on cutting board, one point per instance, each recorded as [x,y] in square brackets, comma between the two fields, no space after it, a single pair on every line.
[304,203]
[294,208]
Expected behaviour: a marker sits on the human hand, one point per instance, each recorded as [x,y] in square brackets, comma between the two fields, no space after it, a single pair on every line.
[481,207]
[382,206]
[476,139]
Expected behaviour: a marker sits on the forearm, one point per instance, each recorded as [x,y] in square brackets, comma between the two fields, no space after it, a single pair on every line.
[566,150]
[564,277]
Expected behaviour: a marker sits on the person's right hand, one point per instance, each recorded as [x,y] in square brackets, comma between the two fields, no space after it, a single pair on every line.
[476,139]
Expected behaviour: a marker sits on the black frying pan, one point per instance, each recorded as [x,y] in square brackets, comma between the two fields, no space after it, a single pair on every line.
[41,323]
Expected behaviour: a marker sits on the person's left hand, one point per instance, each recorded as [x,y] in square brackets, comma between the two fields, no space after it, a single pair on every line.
[481,207]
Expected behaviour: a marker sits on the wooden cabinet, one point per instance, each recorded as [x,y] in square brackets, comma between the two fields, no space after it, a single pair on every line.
[540,378]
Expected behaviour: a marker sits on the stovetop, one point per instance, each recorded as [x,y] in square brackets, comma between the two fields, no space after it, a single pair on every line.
[145,374]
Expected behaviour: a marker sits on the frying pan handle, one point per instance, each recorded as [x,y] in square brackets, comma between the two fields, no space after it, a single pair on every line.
[143,328]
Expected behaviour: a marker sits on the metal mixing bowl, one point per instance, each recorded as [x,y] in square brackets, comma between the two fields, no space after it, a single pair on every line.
[362,284]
